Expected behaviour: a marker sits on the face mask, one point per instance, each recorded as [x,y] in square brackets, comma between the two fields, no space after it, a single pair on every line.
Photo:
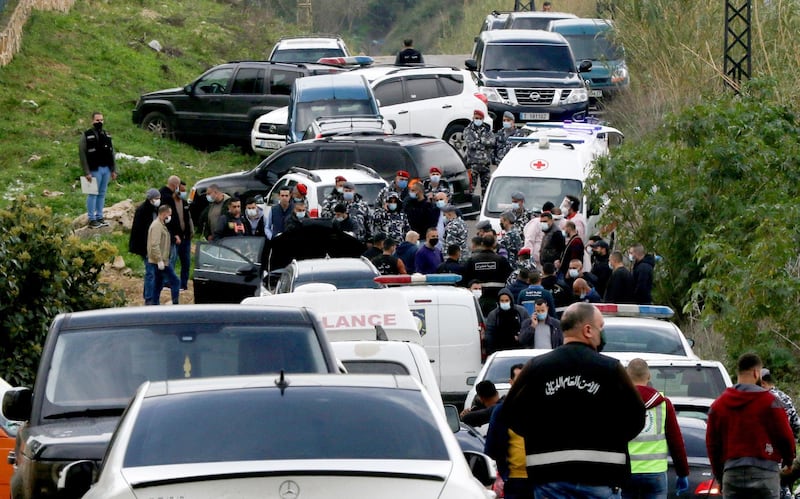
[209,198]
[478,122]
[339,219]
[545,226]
[300,214]
[392,206]
[298,200]
[403,184]
[542,316]
[630,257]
[564,233]
[433,241]
[505,305]
[440,203]
[252,212]
[340,190]
[477,293]
[184,195]
[168,219]
[435,178]
[348,196]
[602,344]
[155,202]
[514,206]
[507,124]
[573,273]
[97,126]
[582,296]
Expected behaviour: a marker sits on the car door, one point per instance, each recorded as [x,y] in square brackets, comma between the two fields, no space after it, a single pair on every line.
[389,94]
[203,112]
[247,92]
[429,111]
[227,271]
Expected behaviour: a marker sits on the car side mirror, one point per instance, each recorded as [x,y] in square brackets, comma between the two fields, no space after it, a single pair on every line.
[585,66]
[482,467]
[394,124]
[249,272]
[453,419]
[17,403]
[471,380]
[188,89]
[690,341]
[76,478]
[471,64]
[282,129]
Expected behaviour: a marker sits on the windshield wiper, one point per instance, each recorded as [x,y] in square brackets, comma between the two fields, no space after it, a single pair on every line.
[88,413]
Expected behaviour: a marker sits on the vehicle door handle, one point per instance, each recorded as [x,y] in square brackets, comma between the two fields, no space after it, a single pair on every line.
[201,279]
[447,106]
[403,112]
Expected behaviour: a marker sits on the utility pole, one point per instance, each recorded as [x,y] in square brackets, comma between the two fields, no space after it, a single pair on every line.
[304,17]
[738,50]
[524,5]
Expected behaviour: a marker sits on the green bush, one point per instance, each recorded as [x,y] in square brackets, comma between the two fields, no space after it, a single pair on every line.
[44,270]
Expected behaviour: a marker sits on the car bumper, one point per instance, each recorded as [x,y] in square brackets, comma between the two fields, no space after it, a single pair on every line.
[266,144]
[522,114]
[136,116]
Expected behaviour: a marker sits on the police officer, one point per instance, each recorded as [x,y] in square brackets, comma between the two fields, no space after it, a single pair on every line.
[390,219]
[480,147]
[335,197]
[434,184]
[358,211]
[510,241]
[399,186]
[490,269]
[97,158]
[409,55]
[455,231]
[502,144]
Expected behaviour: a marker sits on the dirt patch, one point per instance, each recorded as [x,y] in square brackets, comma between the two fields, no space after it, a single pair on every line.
[133,286]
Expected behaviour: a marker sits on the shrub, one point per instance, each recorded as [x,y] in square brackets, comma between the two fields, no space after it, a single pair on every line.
[44,270]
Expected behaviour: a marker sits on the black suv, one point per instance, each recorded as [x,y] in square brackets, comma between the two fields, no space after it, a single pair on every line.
[530,73]
[94,361]
[224,102]
[384,154]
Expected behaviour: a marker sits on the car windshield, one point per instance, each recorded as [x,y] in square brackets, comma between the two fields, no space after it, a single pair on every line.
[528,57]
[310,111]
[101,368]
[305,55]
[593,47]
[299,423]
[342,280]
[643,338]
[537,191]
[368,191]
[687,381]
[500,369]
[374,367]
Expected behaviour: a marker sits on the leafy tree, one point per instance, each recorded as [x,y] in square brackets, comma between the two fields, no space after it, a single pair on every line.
[713,192]
[44,270]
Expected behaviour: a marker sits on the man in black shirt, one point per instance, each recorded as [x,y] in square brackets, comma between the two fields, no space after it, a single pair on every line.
[387,263]
[409,55]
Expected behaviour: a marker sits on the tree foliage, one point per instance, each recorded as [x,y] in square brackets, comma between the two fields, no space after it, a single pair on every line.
[713,192]
[44,270]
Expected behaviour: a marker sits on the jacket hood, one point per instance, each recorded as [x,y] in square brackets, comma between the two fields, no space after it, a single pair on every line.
[506,292]
[742,394]
[649,259]
[650,396]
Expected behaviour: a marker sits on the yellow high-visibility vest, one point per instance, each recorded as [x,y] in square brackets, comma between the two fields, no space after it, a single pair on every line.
[649,450]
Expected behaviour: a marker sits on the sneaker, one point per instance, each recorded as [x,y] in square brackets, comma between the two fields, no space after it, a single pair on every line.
[102,223]
[94,224]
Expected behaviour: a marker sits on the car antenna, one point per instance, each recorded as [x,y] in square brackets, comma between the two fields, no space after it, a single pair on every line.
[282,383]
[380,333]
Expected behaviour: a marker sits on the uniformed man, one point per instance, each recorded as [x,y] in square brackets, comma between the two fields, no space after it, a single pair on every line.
[480,147]
[390,219]
[399,186]
[358,210]
[502,144]
[488,268]
[455,231]
[435,184]
[97,158]
[510,241]
[522,214]
[335,197]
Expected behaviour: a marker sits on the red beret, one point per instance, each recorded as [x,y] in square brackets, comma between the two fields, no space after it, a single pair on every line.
[403,173]
[478,112]
[339,178]
[302,189]
[524,251]
[435,169]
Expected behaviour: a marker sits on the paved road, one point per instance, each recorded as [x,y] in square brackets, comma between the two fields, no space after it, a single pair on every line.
[441,60]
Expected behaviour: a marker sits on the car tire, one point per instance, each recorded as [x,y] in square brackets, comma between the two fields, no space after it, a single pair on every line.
[454,135]
[159,124]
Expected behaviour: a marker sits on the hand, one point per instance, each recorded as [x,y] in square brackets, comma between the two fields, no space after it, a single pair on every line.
[177,239]
[160,265]
[681,485]
[534,321]
[113,175]
[89,177]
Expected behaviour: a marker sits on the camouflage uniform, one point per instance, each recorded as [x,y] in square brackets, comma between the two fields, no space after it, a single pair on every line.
[511,241]
[521,264]
[455,232]
[392,187]
[360,214]
[334,198]
[392,223]
[502,144]
[431,191]
[480,148]
[791,412]
[523,217]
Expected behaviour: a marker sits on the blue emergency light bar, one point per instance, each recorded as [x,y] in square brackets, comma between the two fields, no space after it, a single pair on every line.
[623,310]
[552,140]
[418,279]
[357,60]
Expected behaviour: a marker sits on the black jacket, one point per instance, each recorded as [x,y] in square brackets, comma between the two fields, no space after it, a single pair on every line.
[142,218]
[602,272]
[574,399]
[620,287]
[422,215]
[643,280]
[503,326]
[527,333]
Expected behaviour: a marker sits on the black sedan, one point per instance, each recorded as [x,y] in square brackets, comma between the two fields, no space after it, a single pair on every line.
[701,479]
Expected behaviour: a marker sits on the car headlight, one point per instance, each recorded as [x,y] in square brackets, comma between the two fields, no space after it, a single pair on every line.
[577,95]
[620,75]
[491,94]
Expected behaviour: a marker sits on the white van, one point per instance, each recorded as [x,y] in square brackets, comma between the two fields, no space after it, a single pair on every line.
[547,165]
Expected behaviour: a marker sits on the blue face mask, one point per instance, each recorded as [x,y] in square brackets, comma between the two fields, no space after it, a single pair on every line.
[348,196]
[542,316]
[300,214]
[515,206]
[440,203]
[507,124]
[184,195]
[505,305]
[392,206]
[478,122]
[402,184]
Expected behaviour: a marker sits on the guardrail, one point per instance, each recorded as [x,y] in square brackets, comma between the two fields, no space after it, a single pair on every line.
[11,35]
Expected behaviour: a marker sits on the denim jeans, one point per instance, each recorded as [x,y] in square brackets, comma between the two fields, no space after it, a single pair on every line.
[569,490]
[157,282]
[646,486]
[149,282]
[183,252]
[96,202]
[751,483]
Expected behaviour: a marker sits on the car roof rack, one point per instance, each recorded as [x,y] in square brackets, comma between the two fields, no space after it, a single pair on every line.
[306,172]
[313,35]
[366,169]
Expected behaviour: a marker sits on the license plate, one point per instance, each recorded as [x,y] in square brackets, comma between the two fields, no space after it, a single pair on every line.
[535,116]
[269,144]
[596,93]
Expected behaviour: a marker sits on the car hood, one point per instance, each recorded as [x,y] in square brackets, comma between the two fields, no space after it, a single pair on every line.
[278,116]
[316,238]
[223,180]
[166,92]
[290,479]
[79,438]
[530,79]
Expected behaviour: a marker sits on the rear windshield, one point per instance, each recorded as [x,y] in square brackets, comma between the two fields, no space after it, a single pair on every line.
[310,111]
[593,47]
[647,339]
[301,423]
[531,22]
[342,280]
[439,154]
[101,368]
[374,367]
[537,191]
[305,55]
[368,191]
[687,381]
[528,57]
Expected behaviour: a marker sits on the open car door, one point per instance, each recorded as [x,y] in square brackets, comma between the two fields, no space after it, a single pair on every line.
[227,271]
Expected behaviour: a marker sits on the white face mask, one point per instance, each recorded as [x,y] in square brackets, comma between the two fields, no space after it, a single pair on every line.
[340,190]
[545,226]
[435,179]
[300,214]
[507,124]
[573,273]
[252,212]
[564,233]
[209,198]
[514,206]
[477,293]
[392,206]
[184,195]
[155,202]
[168,219]
[339,219]
[478,122]
[505,305]
[440,203]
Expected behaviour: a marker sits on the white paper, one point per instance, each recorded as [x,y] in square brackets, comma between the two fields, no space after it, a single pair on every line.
[88,186]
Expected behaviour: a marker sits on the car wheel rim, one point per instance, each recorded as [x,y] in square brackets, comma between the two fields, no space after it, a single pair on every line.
[457,141]
[158,128]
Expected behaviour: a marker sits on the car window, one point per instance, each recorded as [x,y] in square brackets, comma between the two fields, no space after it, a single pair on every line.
[281,81]
[528,57]
[215,82]
[452,84]
[349,280]
[103,367]
[230,254]
[368,191]
[641,338]
[500,369]
[593,47]
[249,81]
[384,160]
[306,55]
[274,195]
[389,92]
[687,381]
[335,158]
[537,191]
[437,153]
[374,367]
[421,88]
[282,163]
[325,422]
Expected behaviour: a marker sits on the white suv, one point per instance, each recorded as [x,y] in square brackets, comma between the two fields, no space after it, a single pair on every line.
[308,49]
[434,101]
[320,183]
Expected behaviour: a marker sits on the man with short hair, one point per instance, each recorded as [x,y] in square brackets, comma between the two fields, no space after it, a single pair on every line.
[522,214]
[535,291]
[570,207]
[573,249]
[748,436]
[386,262]
[455,231]
[542,330]
[620,283]
[642,274]
[335,197]
[553,242]
[451,264]
[547,7]
[254,216]
[510,241]
[158,248]
[601,269]
[96,153]
[581,291]
[275,222]
[409,55]
[232,223]
[577,410]
[769,383]
[660,438]
[480,413]
[421,213]
[399,186]
[217,201]
[502,136]
[479,140]
[343,222]
[428,257]
[490,269]
[297,216]
[376,243]
[407,250]
[142,218]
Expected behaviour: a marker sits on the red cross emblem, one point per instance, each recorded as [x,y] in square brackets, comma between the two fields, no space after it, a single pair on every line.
[539,165]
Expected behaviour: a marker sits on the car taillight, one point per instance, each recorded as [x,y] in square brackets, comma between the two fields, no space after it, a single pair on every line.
[314,213]
[482,98]
[482,335]
[469,177]
[191,194]
[708,488]
[499,487]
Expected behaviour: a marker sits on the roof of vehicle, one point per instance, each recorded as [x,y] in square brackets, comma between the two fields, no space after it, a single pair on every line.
[399,140]
[313,41]
[207,314]
[520,352]
[523,36]
[330,264]
[340,86]
[541,13]
[377,71]
[580,26]
[328,176]
[664,360]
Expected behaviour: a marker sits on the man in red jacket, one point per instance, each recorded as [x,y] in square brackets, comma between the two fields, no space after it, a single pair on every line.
[748,436]
[660,438]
